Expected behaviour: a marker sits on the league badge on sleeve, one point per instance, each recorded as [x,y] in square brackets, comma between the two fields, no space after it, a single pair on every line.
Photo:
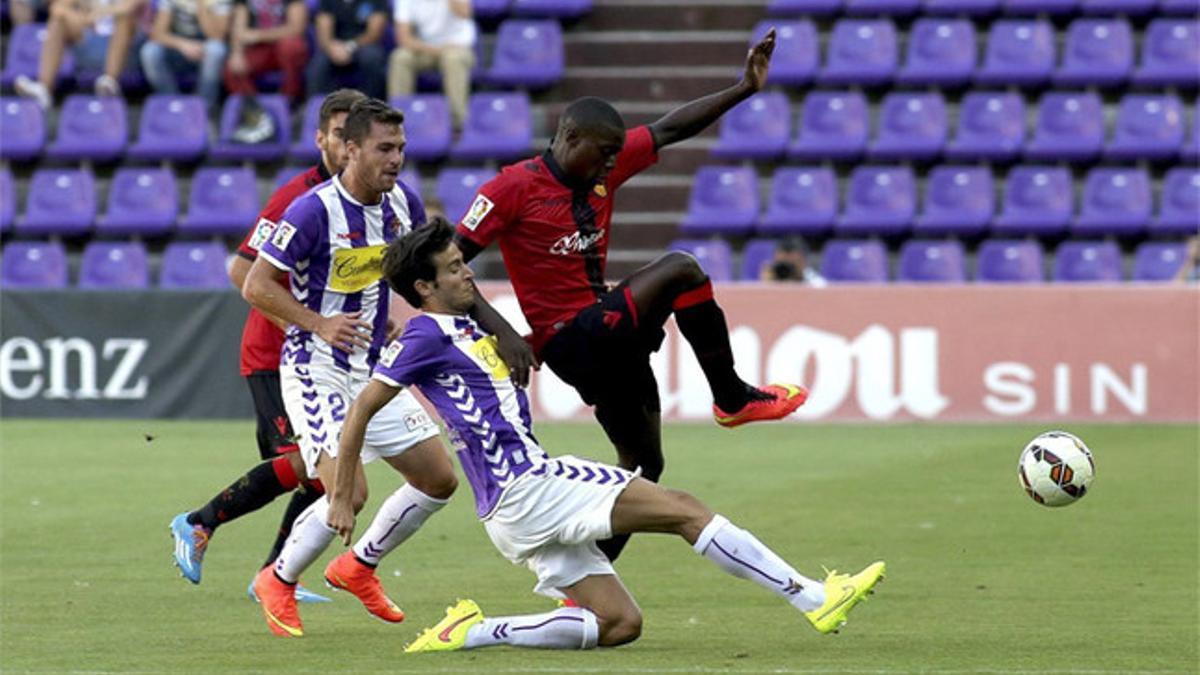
[262,232]
[388,357]
[283,235]
[478,211]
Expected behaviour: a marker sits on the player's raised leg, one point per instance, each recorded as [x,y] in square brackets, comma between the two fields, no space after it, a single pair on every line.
[634,427]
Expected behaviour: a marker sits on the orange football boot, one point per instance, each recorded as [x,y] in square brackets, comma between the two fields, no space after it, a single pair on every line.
[347,573]
[785,398]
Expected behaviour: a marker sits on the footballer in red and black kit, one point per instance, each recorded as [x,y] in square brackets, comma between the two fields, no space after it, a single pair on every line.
[552,218]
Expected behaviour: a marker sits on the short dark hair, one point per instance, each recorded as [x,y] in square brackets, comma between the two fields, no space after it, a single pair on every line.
[340,101]
[590,114]
[363,113]
[410,258]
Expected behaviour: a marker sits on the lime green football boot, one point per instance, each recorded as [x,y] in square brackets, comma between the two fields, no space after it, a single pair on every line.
[842,593]
[450,633]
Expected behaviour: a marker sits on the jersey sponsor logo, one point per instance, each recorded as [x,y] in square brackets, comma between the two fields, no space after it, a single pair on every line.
[354,269]
[283,234]
[389,355]
[485,350]
[262,232]
[576,242]
[478,211]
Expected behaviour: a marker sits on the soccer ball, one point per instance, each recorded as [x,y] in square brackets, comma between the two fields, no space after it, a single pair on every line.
[1056,469]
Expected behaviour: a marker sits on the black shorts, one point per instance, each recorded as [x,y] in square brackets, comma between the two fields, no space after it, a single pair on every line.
[274,432]
[604,353]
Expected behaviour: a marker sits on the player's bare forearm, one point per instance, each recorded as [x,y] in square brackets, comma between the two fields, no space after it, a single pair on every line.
[513,348]
[263,290]
[354,429]
[239,269]
[468,248]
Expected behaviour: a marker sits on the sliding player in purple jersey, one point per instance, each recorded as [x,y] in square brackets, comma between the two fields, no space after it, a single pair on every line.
[547,513]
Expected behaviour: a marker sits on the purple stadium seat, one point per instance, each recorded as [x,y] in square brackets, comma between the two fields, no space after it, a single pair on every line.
[860,52]
[724,200]
[1115,202]
[273,150]
[756,254]
[456,189]
[187,264]
[61,202]
[714,256]
[141,202]
[1036,7]
[940,52]
[850,261]
[25,53]
[22,129]
[911,126]
[427,126]
[90,127]
[490,10]
[879,201]
[959,201]
[1190,151]
[304,149]
[1097,52]
[1148,127]
[960,7]
[8,200]
[528,54]
[1087,261]
[991,126]
[804,7]
[1170,53]
[114,265]
[1158,261]
[1176,7]
[926,261]
[797,55]
[1070,127]
[882,7]
[410,177]
[285,174]
[1037,201]
[555,9]
[1018,52]
[1010,261]
[833,125]
[757,128]
[498,127]
[804,200]
[1179,203]
[1117,7]
[172,128]
[223,201]
[34,264]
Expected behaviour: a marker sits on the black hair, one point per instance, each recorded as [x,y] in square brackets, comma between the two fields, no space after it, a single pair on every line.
[410,258]
[340,101]
[590,114]
[363,113]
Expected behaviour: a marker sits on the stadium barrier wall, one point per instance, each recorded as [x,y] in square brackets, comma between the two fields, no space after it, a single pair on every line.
[868,353]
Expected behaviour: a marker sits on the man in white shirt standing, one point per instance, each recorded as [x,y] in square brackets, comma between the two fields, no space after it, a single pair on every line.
[434,34]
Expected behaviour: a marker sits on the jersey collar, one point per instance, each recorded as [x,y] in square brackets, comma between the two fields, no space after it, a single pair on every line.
[561,176]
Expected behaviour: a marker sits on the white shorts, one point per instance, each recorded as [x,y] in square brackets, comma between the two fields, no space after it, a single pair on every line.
[317,400]
[550,519]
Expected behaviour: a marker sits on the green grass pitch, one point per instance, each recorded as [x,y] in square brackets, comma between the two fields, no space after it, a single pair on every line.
[980,579]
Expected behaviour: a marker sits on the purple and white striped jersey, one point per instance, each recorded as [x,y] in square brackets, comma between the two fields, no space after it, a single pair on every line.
[332,246]
[456,366]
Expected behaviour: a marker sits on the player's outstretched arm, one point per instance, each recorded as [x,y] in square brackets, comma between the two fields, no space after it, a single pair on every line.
[354,428]
[691,118]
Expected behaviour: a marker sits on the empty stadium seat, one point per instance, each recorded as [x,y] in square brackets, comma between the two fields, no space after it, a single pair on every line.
[757,128]
[959,201]
[1087,261]
[724,200]
[860,52]
[804,7]
[881,7]
[1037,201]
[558,9]
[8,200]
[1158,261]
[803,200]
[223,201]
[1070,126]
[188,264]
[911,126]
[714,255]
[756,254]
[141,202]
[1116,201]
[22,129]
[1019,52]
[879,201]
[25,52]
[924,261]
[940,52]
[172,128]
[34,264]
[833,125]
[456,189]
[285,174]
[1179,203]
[960,7]
[1188,7]
[1170,53]
[1097,52]
[115,265]
[304,149]
[410,177]
[273,150]
[853,261]
[90,128]
[1113,7]
[1148,127]
[1010,261]
[1190,150]
[797,56]
[991,126]
[1036,7]
[61,202]
[427,126]
[528,54]
[489,10]
[498,127]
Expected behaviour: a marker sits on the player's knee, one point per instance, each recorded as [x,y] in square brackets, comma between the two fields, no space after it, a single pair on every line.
[685,268]
[442,486]
[620,629]
[693,514]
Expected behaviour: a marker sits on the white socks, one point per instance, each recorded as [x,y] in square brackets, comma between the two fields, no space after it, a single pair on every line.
[565,628]
[310,537]
[741,554]
[398,518]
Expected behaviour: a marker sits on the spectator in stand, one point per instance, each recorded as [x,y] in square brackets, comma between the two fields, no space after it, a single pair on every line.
[188,36]
[102,35]
[790,263]
[434,34]
[1189,271]
[267,35]
[26,11]
[348,41]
